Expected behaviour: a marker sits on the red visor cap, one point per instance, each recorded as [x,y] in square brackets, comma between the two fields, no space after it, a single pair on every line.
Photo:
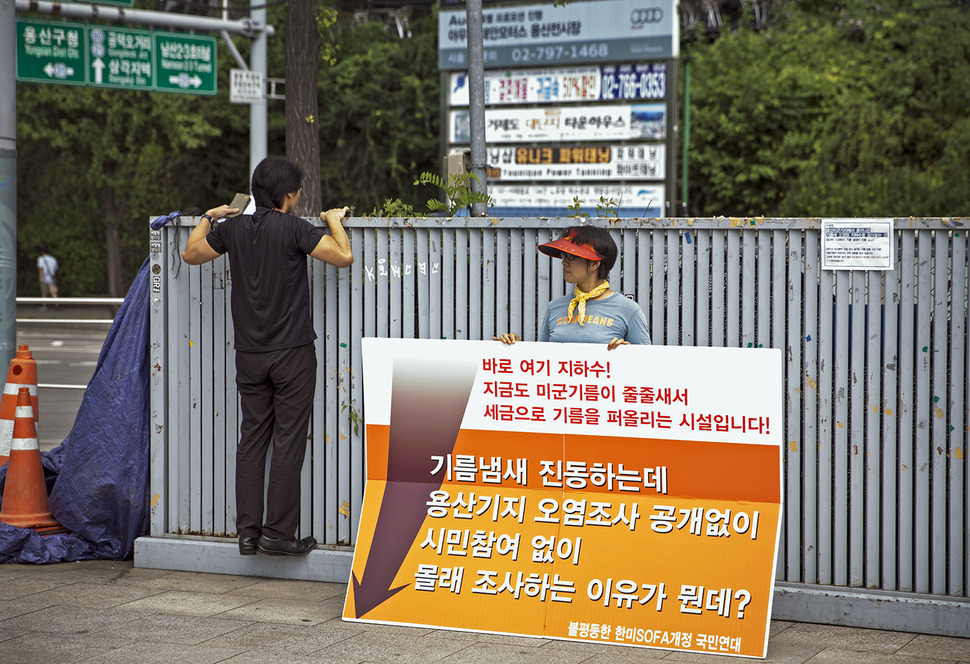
[566,245]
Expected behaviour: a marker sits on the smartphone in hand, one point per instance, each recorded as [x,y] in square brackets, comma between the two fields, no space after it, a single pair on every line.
[239,201]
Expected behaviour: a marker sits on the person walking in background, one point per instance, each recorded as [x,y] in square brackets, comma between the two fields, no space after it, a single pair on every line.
[47,269]
[276,365]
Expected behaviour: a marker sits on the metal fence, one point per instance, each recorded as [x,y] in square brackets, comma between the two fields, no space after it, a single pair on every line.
[877,507]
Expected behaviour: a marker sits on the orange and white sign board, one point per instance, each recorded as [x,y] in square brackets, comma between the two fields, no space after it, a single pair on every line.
[630,496]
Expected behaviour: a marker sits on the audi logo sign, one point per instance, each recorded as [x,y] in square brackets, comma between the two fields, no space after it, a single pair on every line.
[646,15]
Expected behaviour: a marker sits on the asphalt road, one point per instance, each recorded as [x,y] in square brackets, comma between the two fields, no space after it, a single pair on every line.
[66,355]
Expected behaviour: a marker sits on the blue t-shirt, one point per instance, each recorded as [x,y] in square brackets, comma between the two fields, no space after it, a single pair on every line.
[614,317]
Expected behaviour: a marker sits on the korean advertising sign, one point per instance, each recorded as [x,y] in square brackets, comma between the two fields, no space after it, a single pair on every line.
[576,33]
[565,491]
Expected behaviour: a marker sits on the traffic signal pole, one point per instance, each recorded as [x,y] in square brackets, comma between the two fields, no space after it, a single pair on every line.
[8,181]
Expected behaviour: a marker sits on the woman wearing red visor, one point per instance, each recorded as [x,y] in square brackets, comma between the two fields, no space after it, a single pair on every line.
[593,313]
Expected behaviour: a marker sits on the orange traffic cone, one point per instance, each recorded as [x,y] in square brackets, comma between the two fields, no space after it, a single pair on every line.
[22,373]
[25,492]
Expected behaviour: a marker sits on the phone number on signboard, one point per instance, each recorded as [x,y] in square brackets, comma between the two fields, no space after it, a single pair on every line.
[559,53]
[642,85]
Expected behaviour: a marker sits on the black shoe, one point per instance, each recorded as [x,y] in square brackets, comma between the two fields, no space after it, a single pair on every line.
[247,546]
[281,547]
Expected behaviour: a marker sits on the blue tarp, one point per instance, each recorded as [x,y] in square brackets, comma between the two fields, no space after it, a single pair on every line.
[98,477]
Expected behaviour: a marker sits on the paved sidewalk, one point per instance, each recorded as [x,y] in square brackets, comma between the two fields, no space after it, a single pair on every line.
[110,612]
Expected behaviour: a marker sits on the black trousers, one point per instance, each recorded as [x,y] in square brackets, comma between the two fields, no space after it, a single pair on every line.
[276,398]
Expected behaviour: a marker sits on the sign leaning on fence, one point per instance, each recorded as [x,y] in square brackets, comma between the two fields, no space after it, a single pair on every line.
[565,491]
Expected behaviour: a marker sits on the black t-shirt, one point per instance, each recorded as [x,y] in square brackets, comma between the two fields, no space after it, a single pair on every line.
[270,290]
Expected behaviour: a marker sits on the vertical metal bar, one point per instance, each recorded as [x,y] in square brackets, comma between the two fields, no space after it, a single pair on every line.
[487,316]
[957,449]
[344,397]
[530,284]
[794,377]
[158,370]
[826,359]
[233,418]
[840,446]
[938,402]
[704,307]
[857,430]
[904,406]
[358,285]
[766,269]
[504,281]
[313,514]
[449,284]
[889,411]
[689,288]
[395,279]
[330,451]
[748,272]
[811,441]
[718,284]
[219,438]
[409,291]
[517,280]
[369,282]
[206,401]
[658,283]
[422,281]
[644,288]
[476,268]
[872,401]
[191,520]
[624,274]
[674,261]
[463,262]
[921,410]
[434,284]
[382,242]
[733,293]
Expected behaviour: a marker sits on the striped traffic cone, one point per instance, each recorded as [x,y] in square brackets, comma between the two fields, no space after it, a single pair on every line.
[22,373]
[25,492]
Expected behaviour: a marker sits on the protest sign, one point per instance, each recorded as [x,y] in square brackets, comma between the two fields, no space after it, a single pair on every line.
[561,491]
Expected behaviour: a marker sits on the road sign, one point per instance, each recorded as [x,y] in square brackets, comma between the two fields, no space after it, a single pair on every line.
[246,86]
[120,58]
[51,52]
[185,63]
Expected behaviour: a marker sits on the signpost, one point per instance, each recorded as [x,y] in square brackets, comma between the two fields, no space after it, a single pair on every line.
[185,63]
[111,57]
[49,52]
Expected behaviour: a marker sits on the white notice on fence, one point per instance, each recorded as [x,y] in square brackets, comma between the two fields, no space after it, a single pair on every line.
[857,244]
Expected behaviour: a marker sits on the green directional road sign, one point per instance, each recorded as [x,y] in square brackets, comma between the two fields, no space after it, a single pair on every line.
[185,63]
[50,52]
[120,58]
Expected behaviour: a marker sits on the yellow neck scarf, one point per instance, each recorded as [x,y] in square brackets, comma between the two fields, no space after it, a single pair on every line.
[579,298]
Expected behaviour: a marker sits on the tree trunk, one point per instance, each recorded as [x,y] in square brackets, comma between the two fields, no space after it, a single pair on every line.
[112,240]
[302,67]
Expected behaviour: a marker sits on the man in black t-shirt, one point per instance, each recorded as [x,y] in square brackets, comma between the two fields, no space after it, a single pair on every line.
[275,359]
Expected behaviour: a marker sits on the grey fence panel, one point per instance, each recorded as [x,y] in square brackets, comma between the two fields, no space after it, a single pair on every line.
[875,373]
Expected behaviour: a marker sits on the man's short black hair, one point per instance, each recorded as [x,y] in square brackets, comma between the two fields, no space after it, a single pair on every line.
[273,179]
[602,243]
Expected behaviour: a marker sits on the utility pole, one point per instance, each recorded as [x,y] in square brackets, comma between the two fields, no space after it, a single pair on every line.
[476,100]
[8,181]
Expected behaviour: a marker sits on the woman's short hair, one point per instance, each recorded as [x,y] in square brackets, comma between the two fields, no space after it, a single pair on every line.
[602,243]
[273,179]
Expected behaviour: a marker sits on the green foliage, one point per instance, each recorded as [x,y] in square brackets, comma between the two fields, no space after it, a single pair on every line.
[605,208]
[458,187]
[853,109]
[393,207]
[379,113]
